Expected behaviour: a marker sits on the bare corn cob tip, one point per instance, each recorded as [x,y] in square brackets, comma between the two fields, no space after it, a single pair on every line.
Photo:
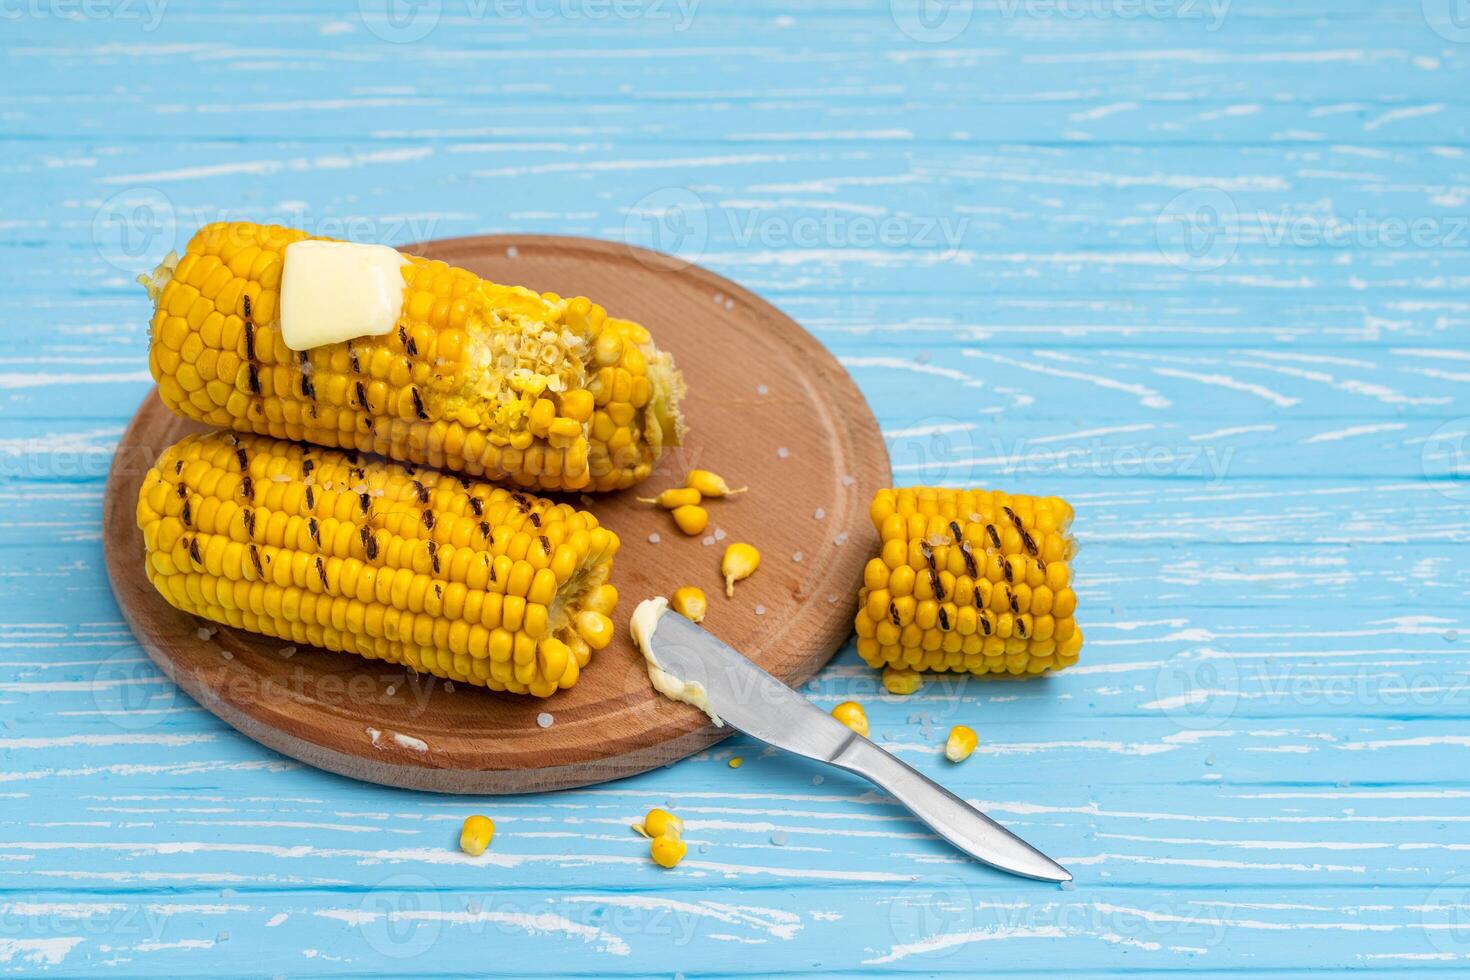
[445,575]
[968,580]
[490,380]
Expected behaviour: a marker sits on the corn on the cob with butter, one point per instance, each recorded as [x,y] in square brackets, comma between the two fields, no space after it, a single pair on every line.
[441,574]
[485,379]
[969,580]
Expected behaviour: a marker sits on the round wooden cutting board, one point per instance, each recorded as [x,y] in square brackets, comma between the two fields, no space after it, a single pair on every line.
[767,407]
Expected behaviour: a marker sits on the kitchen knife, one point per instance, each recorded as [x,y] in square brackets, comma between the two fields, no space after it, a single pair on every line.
[752,701]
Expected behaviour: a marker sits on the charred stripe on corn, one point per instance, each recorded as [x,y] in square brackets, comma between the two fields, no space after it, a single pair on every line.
[968,580]
[520,608]
[492,380]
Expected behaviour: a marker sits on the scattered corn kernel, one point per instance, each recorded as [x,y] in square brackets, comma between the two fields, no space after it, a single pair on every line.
[961,742]
[851,714]
[667,850]
[476,834]
[740,562]
[691,519]
[690,603]
[710,484]
[736,762]
[659,823]
[898,681]
[675,498]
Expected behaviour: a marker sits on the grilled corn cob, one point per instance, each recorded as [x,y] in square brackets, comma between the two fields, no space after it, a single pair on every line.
[969,580]
[446,576]
[490,380]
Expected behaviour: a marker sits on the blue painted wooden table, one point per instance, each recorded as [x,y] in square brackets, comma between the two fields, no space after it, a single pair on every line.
[1201,267]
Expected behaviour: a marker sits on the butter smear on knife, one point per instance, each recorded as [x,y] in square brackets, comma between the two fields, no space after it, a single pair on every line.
[644,622]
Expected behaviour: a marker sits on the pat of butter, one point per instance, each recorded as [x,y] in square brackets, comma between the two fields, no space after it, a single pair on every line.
[336,291]
[644,622]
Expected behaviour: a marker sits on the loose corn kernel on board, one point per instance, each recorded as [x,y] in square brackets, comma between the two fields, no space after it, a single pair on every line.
[768,407]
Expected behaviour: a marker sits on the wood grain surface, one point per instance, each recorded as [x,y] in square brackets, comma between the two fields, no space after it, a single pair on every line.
[767,407]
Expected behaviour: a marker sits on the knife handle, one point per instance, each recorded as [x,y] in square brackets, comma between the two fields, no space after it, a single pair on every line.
[951,817]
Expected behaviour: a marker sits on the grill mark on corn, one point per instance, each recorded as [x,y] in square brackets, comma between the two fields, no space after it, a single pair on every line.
[1014,519]
[194,554]
[418,404]
[994,535]
[421,491]
[521,501]
[365,501]
[178,466]
[485,530]
[970,568]
[429,519]
[310,499]
[438,589]
[247,517]
[478,506]
[255,560]
[1012,601]
[433,548]
[247,485]
[546,545]
[409,346]
[1028,541]
[954,529]
[535,519]
[1021,627]
[308,390]
[1005,569]
[361,391]
[943,620]
[934,583]
[315,530]
[985,622]
[321,571]
[893,614]
[369,543]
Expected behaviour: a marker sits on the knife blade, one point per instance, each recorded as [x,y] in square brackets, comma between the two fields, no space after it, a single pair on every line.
[752,701]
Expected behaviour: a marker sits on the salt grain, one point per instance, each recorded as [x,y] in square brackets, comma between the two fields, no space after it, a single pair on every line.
[287,652]
[762,390]
[729,304]
[797,556]
[848,480]
[206,632]
[778,837]
[392,690]
[818,780]
[783,452]
[708,540]
[841,538]
[544,719]
[653,538]
[512,252]
[760,610]
[449,686]
[227,655]
[819,513]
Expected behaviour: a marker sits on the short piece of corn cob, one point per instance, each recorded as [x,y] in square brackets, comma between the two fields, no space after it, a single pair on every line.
[969,580]
[444,575]
[490,380]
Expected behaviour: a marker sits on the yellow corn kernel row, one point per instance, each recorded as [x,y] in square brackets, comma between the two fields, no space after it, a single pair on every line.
[969,580]
[444,575]
[490,380]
